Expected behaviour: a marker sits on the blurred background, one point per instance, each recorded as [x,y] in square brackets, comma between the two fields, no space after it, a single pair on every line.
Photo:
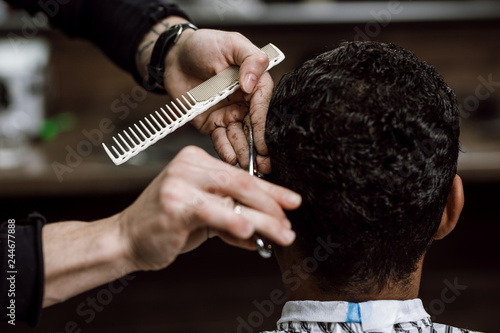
[60,98]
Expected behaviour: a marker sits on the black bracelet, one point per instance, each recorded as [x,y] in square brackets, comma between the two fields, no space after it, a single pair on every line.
[156,67]
[156,11]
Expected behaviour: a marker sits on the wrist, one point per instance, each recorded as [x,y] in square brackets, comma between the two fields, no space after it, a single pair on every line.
[156,68]
[145,49]
[172,59]
[123,248]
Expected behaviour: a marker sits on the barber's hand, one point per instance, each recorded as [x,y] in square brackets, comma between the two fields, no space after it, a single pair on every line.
[199,55]
[193,199]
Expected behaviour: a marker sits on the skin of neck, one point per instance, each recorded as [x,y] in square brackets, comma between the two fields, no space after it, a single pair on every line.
[301,285]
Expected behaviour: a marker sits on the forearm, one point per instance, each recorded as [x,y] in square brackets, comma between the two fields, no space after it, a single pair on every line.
[115,26]
[79,256]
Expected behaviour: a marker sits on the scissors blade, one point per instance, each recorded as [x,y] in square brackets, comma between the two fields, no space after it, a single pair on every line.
[252,153]
[264,248]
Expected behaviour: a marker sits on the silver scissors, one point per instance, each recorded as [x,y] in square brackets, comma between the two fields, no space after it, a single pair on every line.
[264,248]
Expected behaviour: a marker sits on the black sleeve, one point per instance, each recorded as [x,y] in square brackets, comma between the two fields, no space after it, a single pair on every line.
[22,271]
[115,26]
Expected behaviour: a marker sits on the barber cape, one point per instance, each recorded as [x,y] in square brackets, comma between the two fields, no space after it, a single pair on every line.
[384,316]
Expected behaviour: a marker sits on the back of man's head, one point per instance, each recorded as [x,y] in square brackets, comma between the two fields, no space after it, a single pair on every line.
[368,135]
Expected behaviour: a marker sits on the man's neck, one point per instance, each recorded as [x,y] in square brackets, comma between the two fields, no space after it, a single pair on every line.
[310,291]
[300,285]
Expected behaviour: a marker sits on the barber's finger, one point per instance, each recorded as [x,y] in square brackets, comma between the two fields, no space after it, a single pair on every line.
[259,105]
[268,226]
[220,116]
[207,221]
[227,180]
[252,61]
[218,214]
[264,164]
[267,198]
[263,225]
[286,198]
[223,146]
[236,136]
[234,98]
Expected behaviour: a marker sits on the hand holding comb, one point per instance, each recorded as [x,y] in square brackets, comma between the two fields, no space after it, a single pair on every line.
[156,126]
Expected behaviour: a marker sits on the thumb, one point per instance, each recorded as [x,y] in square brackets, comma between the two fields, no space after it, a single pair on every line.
[252,61]
[251,70]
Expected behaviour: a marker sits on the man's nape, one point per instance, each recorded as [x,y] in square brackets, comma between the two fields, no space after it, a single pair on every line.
[368,135]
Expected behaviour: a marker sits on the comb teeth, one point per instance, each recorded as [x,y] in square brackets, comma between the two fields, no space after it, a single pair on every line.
[149,130]
[178,112]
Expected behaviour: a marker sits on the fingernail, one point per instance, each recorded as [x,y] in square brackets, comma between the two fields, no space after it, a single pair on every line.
[286,223]
[249,83]
[293,198]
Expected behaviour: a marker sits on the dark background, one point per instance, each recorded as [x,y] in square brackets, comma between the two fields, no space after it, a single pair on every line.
[216,287]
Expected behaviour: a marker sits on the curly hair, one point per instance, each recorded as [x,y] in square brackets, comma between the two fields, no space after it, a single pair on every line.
[368,135]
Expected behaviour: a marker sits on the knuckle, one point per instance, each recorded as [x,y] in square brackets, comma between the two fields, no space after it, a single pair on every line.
[261,58]
[233,37]
[190,150]
[228,202]
[220,177]
[173,172]
[234,128]
[227,155]
[202,211]
[238,35]
[244,182]
[169,198]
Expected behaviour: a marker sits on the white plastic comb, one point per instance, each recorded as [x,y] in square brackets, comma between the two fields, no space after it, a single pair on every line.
[177,113]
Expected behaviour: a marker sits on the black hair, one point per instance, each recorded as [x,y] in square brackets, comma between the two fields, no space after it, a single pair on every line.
[368,135]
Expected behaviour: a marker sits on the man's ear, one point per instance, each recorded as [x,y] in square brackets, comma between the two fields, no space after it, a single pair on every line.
[452,209]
